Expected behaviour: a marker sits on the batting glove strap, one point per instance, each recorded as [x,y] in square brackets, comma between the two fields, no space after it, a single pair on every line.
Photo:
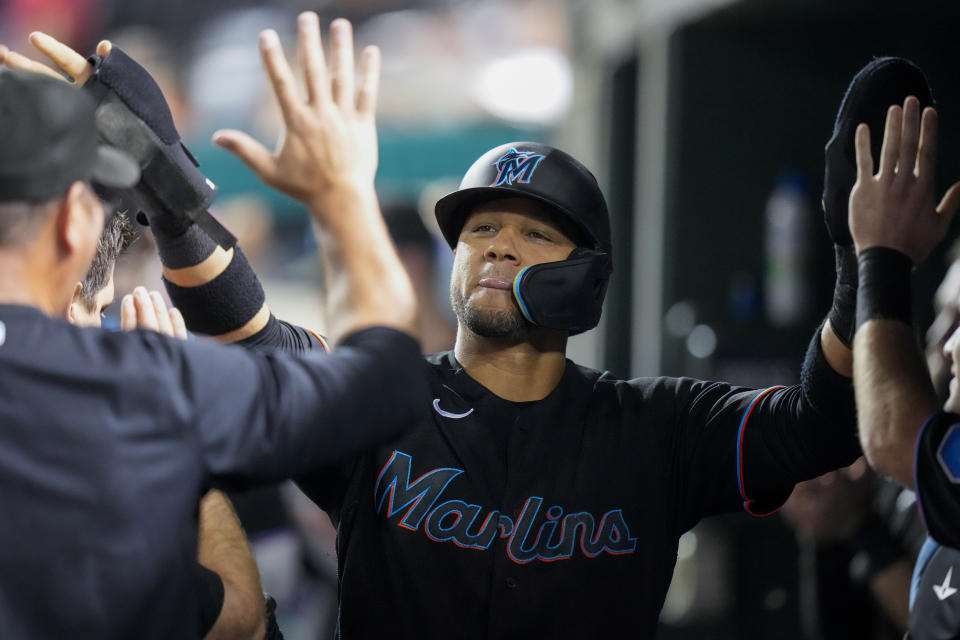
[843,312]
[133,115]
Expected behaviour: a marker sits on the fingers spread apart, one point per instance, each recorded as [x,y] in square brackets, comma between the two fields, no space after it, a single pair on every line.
[890,150]
[14,60]
[864,157]
[71,62]
[927,152]
[336,84]
[341,63]
[909,138]
[370,81]
[310,53]
[279,73]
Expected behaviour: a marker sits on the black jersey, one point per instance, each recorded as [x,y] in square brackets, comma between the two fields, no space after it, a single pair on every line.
[561,517]
[937,472]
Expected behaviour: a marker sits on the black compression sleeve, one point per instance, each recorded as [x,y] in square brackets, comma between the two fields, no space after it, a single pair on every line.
[224,304]
[828,391]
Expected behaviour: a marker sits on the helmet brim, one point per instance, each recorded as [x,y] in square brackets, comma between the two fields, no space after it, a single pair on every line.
[452,210]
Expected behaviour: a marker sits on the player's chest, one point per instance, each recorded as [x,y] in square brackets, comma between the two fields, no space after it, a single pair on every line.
[538,491]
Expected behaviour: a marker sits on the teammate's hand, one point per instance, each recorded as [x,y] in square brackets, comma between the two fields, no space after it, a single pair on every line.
[896,208]
[69,61]
[330,138]
[143,310]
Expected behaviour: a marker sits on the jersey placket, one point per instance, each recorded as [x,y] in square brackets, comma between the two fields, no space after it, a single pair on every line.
[510,591]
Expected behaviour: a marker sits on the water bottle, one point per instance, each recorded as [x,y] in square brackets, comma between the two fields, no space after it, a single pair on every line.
[787,252]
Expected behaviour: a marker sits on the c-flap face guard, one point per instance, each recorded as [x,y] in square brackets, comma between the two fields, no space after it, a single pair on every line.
[567,294]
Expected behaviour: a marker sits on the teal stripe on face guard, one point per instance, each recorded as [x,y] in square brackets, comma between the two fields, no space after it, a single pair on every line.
[518,297]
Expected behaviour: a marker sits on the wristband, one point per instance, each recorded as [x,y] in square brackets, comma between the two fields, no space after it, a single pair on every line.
[884,290]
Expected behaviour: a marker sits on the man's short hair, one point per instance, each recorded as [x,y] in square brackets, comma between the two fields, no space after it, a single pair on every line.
[116,237]
[20,221]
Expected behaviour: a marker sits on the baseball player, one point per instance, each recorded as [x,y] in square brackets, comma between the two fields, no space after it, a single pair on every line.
[539,498]
[896,222]
[110,438]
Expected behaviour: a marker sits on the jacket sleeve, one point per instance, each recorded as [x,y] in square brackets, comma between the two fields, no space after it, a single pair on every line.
[270,416]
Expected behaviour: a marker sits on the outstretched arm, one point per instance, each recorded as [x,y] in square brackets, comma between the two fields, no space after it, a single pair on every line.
[328,160]
[895,222]
[205,274]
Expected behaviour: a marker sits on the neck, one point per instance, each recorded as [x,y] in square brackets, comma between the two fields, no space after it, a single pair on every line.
[25,282]
[515,370]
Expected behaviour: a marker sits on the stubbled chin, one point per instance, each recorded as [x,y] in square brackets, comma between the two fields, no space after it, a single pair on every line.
[497,297]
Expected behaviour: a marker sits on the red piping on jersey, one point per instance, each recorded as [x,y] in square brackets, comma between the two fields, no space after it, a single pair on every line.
[743,424]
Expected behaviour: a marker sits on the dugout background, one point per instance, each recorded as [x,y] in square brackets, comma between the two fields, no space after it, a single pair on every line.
[746,93]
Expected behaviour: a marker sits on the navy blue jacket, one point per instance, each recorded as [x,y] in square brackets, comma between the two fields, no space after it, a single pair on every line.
[108,440]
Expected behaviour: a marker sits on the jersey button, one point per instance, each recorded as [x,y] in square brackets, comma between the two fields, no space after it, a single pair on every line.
[511,582]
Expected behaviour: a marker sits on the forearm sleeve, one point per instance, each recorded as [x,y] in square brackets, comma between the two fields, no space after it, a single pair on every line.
[829,393]
[226,303]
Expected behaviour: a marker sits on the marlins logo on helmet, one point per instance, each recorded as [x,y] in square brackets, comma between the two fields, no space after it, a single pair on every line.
[516,166]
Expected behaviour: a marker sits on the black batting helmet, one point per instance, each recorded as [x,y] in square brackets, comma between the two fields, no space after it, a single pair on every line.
[530,170]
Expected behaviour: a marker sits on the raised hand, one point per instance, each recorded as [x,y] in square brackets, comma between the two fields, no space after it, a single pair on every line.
[330,138]
[147,310]
[69,61]
[896,207]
